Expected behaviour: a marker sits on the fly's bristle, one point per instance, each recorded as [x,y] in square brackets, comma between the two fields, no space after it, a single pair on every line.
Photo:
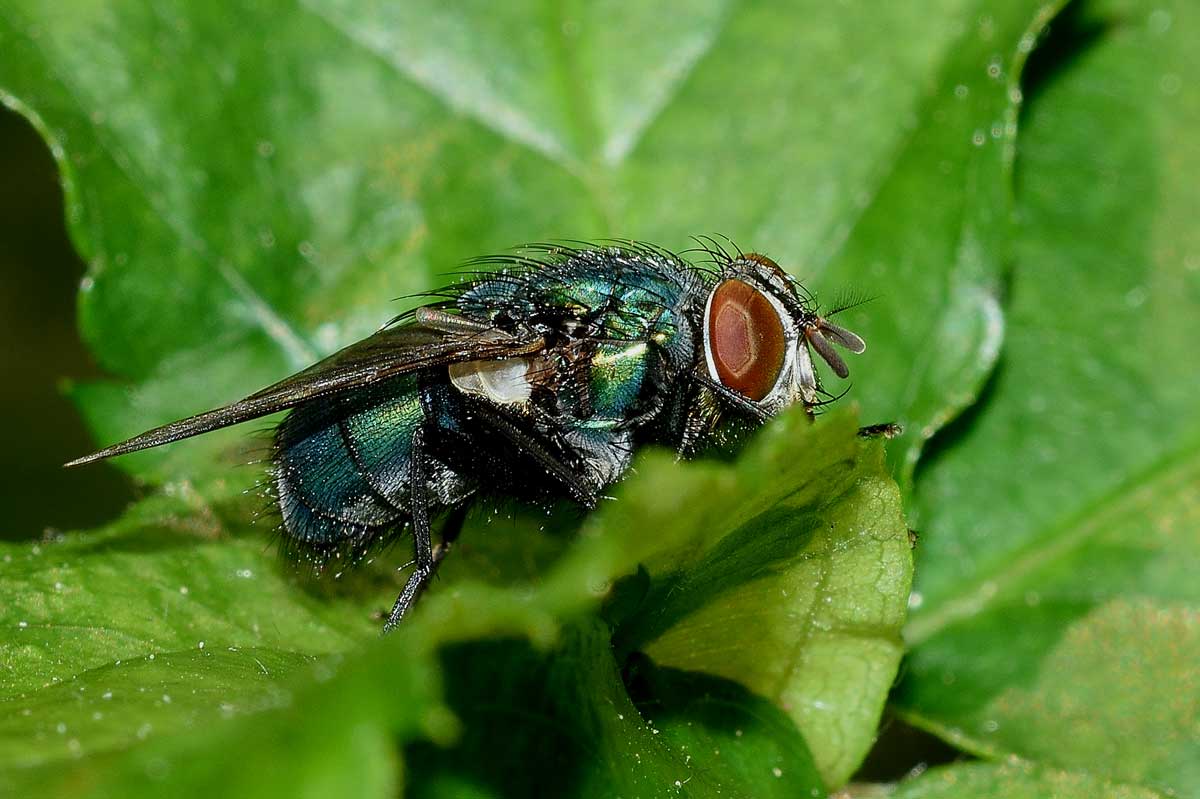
[848,300]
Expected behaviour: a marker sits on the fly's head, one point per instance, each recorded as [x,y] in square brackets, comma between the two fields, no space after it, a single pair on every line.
[761,330]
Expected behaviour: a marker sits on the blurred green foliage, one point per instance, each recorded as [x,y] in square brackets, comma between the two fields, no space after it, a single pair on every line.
[248,188]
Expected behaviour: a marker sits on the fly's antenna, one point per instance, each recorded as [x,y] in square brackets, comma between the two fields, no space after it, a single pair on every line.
[821,334]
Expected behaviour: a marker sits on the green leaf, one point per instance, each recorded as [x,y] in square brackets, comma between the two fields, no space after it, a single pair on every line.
[1016,780]
[793,585]
[1057,613]
[161,579]
[790,577]
[932,238]
[568,712]
[161,621]
[282,672]
[734,731]
[245,208]
[249,185]
[375,146]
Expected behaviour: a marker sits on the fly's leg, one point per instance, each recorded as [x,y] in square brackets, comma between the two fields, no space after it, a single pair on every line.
[575,484]
[450,531]
[886,430]
[749,407]
[426,559]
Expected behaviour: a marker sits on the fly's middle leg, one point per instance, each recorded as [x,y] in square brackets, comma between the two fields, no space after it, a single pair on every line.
[450,530]
[427,560]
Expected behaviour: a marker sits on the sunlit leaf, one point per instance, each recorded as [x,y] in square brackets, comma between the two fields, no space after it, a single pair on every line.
[1059,614]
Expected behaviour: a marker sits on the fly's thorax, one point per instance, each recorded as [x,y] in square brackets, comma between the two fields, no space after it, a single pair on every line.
[620,326]
[616,377]
[587,381]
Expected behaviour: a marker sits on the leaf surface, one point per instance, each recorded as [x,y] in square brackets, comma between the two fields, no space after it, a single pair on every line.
[1059,614]
[1016,780]
[165,686]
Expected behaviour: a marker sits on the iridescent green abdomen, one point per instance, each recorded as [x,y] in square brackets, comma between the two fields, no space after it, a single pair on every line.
[344,464]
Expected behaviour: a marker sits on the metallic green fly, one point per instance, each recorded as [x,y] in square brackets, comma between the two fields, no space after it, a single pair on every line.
[538,376]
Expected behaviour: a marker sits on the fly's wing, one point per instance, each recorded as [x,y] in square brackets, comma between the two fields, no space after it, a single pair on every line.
[389,352]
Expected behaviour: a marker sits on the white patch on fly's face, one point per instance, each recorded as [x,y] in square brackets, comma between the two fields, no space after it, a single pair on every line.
[504,381]
[805,377]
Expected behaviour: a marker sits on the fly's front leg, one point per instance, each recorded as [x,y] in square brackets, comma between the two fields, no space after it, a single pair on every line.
[426,559]
[886,430]
[746,406]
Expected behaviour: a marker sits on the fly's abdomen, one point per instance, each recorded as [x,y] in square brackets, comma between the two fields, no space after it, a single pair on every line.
[343,465]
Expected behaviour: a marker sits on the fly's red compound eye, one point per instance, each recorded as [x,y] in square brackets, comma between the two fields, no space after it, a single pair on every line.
[746,340]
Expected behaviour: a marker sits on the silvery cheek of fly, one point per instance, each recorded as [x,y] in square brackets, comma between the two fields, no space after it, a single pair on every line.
[537,375]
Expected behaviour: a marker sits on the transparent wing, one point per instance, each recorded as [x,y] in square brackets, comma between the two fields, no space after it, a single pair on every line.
[389,352]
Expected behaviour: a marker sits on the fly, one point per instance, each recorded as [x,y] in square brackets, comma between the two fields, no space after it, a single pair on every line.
[539,378]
